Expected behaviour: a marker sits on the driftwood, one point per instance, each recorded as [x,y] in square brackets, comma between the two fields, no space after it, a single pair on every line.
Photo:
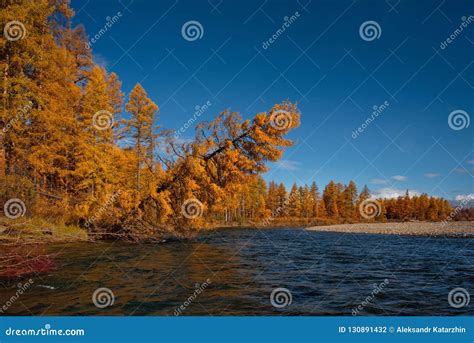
[138,231]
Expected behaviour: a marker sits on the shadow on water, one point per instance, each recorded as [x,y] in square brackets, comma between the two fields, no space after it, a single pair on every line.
[233,272]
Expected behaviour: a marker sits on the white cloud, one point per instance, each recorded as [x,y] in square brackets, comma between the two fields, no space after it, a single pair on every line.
[463,170]
[464,197]
[389,193]
[470,161]
[288,165]
[399,178]
[378,181]
[431,175]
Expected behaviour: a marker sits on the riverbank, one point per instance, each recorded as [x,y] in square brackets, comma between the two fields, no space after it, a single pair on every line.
[450,229]
[36,230]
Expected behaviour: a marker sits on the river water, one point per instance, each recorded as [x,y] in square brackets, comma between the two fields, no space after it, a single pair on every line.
[234,272]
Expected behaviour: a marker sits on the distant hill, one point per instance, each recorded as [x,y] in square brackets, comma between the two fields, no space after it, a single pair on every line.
[456,203]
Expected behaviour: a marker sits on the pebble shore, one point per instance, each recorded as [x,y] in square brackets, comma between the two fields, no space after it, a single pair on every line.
[447,229]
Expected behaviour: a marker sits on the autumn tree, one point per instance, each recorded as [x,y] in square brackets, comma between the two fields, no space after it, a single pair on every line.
[432,211]
[321,210]
[282,196]
[141,128]
[272,201]
[331,199]
[306,202]
[38,74]
[225,151]
[349,200]
[93,164]
[315,199]
[294,205]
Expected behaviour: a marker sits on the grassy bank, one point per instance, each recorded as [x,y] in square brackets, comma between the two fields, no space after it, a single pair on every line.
[36,230]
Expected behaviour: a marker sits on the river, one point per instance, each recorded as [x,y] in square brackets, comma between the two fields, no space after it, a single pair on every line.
[233,272]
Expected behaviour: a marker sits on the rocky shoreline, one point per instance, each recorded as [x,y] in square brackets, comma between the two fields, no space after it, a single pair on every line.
[449,229]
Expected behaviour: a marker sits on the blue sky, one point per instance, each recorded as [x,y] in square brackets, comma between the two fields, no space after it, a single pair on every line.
[322,62]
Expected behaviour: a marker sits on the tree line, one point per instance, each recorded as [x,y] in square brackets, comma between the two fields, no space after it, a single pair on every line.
[337,203]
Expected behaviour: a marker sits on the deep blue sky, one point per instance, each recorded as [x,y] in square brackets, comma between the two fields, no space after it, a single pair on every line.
[322,63]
